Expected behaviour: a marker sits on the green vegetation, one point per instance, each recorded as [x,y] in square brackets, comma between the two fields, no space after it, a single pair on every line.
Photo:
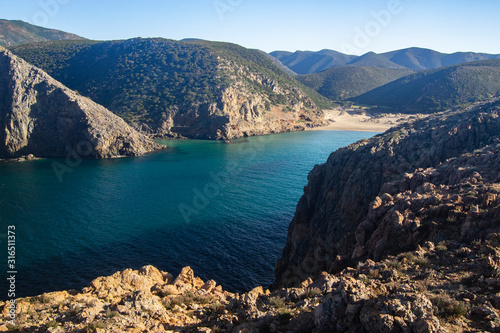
[140,80]
[340,83]
[93,327]
[448,307]
[187,299]
[395,264]
[258,62]
[13,328]
[277,302]
[371,59]
[111,314]
[149,80]
[19,32]
[312,292]
[51,324]
[422,262]
[439,89]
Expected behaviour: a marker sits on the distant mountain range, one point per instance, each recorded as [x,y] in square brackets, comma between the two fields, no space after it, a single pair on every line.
[18,32]
[407,81]
[307,62]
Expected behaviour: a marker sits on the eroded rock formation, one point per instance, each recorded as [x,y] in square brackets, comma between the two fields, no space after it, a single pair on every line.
[395,191]
[40,116]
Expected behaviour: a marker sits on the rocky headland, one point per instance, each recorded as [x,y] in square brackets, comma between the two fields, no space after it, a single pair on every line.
[395,191]
[40,116]
[398,233]
[183,89]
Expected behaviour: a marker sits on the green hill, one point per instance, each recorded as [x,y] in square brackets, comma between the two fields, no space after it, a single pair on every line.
[307,62]
[416,58]
[340,83]
[18,32]
[435,90]
[374,60]
[191,88]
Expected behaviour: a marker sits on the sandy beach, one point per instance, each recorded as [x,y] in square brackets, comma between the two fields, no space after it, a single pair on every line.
[361,120]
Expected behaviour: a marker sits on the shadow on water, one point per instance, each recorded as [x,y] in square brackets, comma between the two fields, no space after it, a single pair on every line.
[231,254]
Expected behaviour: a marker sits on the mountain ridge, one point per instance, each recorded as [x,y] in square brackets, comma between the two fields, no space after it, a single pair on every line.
[337,222]
[437,89]
[413,58]
[342,83]
[16,32]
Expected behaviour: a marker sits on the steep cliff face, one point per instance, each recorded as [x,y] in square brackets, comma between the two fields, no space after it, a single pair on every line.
[40,116]
[378,196]
[244,109]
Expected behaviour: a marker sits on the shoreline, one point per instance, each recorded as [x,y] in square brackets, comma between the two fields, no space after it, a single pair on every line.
[362,121]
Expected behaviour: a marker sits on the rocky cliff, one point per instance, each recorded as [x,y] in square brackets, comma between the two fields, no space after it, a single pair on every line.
[244,109]
[40,116]
[432,180]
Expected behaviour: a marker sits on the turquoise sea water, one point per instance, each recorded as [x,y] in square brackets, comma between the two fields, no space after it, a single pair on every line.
[222,209]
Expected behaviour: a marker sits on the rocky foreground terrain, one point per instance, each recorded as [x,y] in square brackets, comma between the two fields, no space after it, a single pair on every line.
[41,117]
[444,287]
[399,233]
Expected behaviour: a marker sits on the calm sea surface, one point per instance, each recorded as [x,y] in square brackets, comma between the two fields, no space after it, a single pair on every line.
[222,209]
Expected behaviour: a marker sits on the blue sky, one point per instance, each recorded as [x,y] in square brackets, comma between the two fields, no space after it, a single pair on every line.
[349,26]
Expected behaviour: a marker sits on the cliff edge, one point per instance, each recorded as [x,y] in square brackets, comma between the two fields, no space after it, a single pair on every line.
[432,180]
[40,116]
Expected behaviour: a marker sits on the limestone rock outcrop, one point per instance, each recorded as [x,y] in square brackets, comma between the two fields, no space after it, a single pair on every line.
[439,288]
[431,180]
[242,111]
[40,116]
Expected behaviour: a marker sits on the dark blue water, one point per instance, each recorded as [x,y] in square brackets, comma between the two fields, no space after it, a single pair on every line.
[222,209]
